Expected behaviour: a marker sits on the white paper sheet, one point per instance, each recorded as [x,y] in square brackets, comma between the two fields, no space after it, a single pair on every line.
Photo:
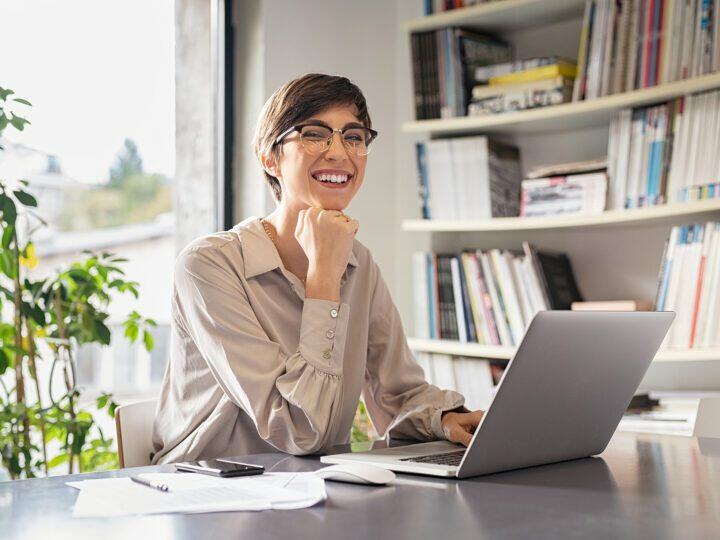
[196,493]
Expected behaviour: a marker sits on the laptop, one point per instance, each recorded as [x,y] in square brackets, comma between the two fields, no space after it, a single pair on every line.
[561,397]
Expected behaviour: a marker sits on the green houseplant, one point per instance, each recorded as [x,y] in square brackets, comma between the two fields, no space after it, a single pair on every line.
[43,322]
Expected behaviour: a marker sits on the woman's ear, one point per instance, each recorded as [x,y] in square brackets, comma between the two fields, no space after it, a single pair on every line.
[269,163]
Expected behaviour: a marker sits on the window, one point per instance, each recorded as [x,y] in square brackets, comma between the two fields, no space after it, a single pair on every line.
[99,154]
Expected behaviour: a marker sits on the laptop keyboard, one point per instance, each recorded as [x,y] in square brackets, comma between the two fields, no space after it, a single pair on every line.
[449,458]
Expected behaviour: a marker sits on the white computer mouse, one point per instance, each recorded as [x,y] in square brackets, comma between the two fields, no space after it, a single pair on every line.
[357,473]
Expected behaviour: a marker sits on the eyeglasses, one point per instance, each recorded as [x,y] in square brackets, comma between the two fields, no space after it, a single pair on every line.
[318,138]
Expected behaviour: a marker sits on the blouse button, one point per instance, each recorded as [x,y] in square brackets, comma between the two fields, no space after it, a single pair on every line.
[330,334]
[327,354]
[334,313]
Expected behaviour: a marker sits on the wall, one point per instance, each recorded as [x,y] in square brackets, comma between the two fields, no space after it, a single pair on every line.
[345,37]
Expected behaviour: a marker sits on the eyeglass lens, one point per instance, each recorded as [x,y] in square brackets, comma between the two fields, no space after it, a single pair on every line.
[317,139]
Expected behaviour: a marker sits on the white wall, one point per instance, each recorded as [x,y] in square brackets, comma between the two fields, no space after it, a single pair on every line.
[340,37]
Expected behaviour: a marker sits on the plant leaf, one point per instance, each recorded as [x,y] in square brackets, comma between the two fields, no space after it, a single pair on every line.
[4,361]
[25,198]
[7,236]
[58,460]
[9,210]
[148,339]
[103,332]
[23,101]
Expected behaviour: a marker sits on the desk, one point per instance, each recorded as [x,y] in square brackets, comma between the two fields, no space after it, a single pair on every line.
[643,486]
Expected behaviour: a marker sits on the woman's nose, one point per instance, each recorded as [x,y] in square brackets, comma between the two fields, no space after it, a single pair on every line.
[337,150]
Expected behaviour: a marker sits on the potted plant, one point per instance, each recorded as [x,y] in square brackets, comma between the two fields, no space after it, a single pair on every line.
[43,322]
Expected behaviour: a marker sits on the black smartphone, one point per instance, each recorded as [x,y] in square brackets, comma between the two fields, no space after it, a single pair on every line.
[219,467]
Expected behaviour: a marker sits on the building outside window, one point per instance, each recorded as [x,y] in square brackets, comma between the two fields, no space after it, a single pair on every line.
[99,156]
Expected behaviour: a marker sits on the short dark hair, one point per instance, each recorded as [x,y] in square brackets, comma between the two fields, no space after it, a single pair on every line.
[295,102]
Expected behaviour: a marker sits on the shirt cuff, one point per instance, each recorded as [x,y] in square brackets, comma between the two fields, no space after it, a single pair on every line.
[323,332]
[436,420]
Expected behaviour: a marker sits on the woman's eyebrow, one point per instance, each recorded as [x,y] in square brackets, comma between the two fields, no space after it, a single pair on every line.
[320,122]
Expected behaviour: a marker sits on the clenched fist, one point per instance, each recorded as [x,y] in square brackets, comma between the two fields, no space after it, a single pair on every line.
[326,237]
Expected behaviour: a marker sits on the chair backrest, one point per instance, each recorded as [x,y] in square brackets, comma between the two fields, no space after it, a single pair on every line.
[134,424]
[707,422]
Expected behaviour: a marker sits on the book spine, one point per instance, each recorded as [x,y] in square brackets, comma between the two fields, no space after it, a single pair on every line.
[486,303]
[457,299]
[423,187]
[471,330]
[435,298]
[664,274]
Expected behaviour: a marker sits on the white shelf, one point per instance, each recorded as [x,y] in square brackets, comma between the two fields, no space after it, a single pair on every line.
[567,116]
[652,214]
[444,346]
[500,16]
[505,353]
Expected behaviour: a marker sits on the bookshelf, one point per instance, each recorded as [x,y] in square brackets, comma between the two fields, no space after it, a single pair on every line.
[566,116]
[523,21]
[496,352]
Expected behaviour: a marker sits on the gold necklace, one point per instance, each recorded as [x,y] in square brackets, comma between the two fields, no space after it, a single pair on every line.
[266,226]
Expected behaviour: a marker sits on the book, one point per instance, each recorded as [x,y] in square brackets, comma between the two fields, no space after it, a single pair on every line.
[483,74]
[559,279]
[562,68]
[485,91]
[562,169]
[613,305]
[519,100]
[581,194]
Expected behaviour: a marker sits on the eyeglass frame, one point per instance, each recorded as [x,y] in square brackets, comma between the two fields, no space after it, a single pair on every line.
[298,128]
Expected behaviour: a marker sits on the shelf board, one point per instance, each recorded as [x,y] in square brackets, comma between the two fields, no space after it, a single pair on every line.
[505,353]
[652,214]
[566,116]
[500,16]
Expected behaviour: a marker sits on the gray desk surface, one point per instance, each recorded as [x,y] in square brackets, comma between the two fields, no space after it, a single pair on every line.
[643,486]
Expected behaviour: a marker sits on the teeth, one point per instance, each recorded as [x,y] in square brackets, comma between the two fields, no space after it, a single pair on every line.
[334,178]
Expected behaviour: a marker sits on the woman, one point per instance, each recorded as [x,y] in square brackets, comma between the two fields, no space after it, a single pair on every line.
[279,324]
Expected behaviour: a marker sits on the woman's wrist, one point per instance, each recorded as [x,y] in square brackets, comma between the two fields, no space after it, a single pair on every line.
[320,287]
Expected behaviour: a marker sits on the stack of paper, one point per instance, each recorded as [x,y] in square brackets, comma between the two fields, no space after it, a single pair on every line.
[195,493]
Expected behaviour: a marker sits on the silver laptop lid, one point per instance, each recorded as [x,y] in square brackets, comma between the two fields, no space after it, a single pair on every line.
[565,391]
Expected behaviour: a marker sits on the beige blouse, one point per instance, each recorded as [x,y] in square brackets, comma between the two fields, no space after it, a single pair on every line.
[257,367]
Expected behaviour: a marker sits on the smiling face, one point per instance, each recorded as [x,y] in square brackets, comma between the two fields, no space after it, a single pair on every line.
[328,180]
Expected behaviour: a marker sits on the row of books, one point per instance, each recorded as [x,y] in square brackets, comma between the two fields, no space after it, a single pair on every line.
[689,284]
[468,177]
[665,153]
[520,85]
[444,63]
[488,297]
[438,6]
[631,44]
[474,378]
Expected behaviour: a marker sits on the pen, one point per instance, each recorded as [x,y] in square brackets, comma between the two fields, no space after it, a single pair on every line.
[160,487]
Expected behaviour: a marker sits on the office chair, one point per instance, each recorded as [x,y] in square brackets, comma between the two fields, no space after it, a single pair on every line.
[707,422]
[133,424]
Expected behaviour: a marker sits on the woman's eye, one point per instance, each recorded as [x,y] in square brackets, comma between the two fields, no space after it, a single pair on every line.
[314,135]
